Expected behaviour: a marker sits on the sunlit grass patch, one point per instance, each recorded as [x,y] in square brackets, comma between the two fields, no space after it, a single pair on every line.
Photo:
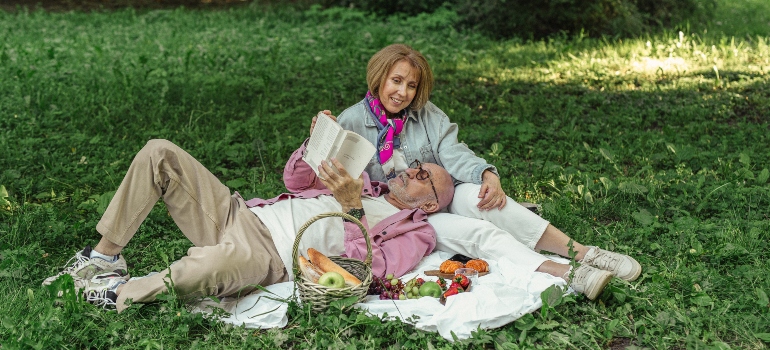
[620,65]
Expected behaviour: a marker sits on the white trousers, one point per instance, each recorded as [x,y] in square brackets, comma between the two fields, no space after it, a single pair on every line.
[511,233]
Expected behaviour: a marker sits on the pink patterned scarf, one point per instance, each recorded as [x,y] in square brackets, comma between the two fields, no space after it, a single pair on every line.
[388,128]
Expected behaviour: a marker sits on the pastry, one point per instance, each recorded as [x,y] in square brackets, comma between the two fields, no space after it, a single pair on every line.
[478,265]
[449,266]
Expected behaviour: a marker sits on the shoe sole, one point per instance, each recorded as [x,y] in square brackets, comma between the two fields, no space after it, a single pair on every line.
[634,276]
[637,273]
[599,287]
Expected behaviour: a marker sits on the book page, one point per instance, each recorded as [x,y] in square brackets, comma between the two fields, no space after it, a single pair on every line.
[322,142]
[355,153]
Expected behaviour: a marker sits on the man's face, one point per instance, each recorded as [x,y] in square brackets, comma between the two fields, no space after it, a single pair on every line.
[413,192]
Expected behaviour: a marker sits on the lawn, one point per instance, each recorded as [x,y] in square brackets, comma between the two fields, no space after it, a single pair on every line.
[656,147]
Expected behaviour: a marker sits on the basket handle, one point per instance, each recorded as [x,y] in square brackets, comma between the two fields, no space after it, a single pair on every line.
[295,251]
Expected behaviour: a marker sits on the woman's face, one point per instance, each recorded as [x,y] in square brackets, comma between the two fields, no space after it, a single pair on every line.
[400,87]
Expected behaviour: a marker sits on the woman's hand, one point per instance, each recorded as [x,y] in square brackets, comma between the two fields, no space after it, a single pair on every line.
[315,119]
[491,193]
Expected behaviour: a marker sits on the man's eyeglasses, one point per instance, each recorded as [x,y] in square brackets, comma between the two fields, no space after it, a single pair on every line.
[423,174]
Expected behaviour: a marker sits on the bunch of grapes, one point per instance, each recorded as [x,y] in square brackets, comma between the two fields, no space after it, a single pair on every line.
[388,288]
[412,288]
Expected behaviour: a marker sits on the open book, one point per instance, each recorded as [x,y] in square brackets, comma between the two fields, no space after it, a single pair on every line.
[329,140]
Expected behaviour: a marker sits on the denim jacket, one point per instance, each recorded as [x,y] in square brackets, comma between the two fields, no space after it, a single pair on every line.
[428,136]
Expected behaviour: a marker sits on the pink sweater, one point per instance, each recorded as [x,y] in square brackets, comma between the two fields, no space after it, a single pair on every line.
[399,241]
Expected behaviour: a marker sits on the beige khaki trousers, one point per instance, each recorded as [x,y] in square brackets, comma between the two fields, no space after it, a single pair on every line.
[233,250]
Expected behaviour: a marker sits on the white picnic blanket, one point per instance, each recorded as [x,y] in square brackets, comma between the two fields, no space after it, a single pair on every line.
[500,297]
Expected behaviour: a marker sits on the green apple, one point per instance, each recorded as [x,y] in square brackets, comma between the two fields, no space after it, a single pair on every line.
[332,279]
[430,289]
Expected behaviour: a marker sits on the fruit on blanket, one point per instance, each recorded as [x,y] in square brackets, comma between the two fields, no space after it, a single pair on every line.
[449,266]
[409,288]
[310,271]
[441,282]
[387,290]
[456,285]
[462,280]
[478,265]
[332,279]
[453,289]
[327,265]
[412,288]
[430,289]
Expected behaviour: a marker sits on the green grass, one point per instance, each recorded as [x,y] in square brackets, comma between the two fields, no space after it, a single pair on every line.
[745,18]
[656,147]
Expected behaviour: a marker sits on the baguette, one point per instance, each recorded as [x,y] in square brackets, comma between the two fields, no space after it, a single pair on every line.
[309,270]
[326,265]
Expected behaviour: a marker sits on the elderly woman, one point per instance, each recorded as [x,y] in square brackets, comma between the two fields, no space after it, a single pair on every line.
[397,117]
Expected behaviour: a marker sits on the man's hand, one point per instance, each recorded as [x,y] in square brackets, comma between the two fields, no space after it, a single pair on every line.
[491,193]
[346,190]
[315,119]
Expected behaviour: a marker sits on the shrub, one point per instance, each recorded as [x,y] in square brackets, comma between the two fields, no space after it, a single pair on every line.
[539,18]
[503,19]
[389,7]
[668,13]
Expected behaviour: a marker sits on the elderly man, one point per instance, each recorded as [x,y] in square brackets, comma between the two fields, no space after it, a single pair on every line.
[240,244]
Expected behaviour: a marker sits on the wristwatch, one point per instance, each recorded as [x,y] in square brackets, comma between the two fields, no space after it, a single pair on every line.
[357,213]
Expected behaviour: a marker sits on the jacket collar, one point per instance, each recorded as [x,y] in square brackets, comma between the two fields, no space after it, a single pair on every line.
[369,122]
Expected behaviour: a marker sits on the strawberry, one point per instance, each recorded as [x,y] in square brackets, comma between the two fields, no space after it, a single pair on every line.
[462,280]
[441,282]
[420,281]
[452,291]
[456,285]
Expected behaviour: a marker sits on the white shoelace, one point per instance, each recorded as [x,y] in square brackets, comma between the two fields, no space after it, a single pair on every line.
[605,260]
[81,260]
[100,298]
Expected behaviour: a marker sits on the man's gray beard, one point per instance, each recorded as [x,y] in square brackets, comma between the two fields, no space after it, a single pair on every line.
[397,190]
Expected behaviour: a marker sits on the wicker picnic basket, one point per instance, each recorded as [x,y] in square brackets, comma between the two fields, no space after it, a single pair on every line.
[321,296]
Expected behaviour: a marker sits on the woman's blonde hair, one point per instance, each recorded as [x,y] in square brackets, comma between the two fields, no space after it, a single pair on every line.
[382,61]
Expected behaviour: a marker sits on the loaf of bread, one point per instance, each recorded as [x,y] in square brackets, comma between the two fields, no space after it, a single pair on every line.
[310,271]
[326,265]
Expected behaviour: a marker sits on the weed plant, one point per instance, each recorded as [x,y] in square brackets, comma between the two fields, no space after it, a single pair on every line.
[655,147]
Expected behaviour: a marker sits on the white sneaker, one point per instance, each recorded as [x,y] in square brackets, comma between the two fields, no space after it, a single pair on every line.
[84,268]
[621,265]
[590,281]
[101,290]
